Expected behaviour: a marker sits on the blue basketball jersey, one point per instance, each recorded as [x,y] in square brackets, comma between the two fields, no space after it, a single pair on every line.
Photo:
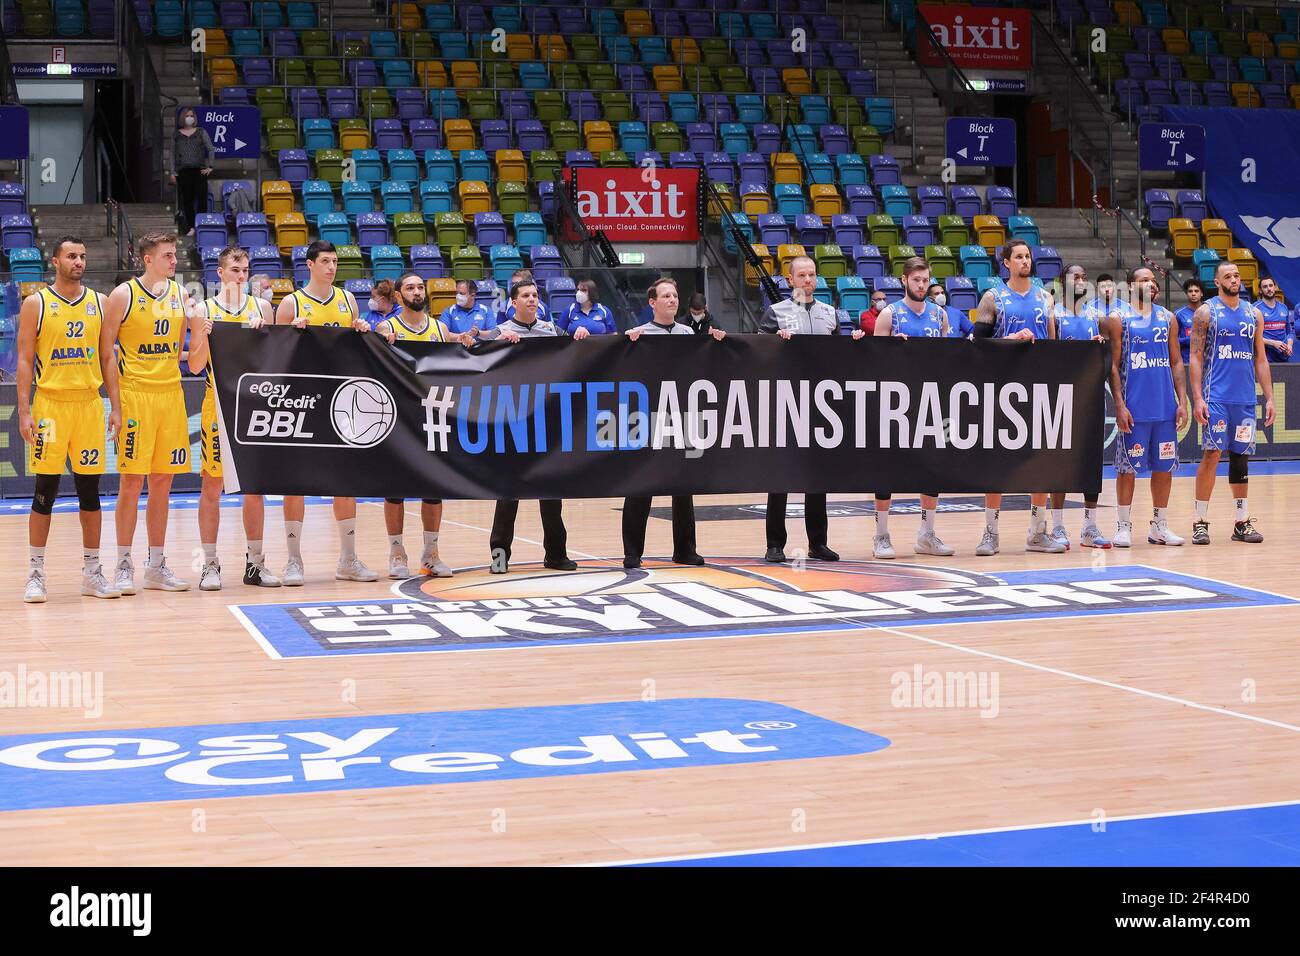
[1277,320]
[1018,311]
[1184,316]
[1144,368]
[1229,373]
[929,324]
[1078,327]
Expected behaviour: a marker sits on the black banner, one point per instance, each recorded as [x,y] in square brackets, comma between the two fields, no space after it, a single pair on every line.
[333,412]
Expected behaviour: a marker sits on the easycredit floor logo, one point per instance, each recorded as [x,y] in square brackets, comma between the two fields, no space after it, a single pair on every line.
[734,597]
[395,750]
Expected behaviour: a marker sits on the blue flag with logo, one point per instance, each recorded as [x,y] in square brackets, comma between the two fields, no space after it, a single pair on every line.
[1258,200]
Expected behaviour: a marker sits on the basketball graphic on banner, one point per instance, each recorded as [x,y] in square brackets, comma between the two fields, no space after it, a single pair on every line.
[363,412]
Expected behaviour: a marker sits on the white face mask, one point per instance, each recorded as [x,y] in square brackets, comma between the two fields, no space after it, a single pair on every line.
[940,299]
[191,121]
[265,293]
[582,297]
[462,300]
[698,316]
[376,305]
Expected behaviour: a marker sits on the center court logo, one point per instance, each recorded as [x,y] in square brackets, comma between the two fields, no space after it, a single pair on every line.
[395,750]
[731,598]
[313,411]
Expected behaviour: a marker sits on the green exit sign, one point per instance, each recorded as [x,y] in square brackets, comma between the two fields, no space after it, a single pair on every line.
[632,258]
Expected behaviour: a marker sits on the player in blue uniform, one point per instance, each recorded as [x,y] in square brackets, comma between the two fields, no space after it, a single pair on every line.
[1146,378]
[1228,358]
[1279,337]
[959,323]
[912,317]
[1195,296]
[1016,309]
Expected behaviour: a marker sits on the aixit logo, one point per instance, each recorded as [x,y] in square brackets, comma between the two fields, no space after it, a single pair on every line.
[394,750]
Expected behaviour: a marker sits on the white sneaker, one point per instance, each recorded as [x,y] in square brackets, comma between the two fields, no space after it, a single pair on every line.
[256,575]
[162,579]
[210,579]
[124,577]
[1160,534]
[433,565]
[293,573]
[398,564]
[1093,538]
[927,542]
[1123,535]
[1043,542]
[94,584]
[354,569]
[989,544]
[35,593]
[882,549]
[1061,536]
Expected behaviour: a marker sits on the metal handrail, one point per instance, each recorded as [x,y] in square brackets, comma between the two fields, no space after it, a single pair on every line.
[119,225]
[1125,218]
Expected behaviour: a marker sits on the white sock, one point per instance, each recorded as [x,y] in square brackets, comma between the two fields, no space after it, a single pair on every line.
[431,541]
[348,538]
[1159,515]
[38,557]
[210,552]
[1053,517]
[394,541]
[90,559]
[123,554]
[155,557]
[1124,513]
[1242,513]
[882,522]
[1037,519]
[991,518]
[1203,510]
[293,538]
[1089,517]
[255,552]
[927,521]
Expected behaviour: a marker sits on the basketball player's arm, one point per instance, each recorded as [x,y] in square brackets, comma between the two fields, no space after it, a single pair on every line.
[1109,326]
[385,328]
[359,323]
[1263,374]
[287,313]
[1196,353]
[119,300]
[986,317]
[28,316]
[885,322]
[264,315]
[199,326]
[1176,367]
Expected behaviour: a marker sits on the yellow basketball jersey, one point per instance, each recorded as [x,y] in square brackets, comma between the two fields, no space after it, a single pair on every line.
[67,341]
[333,312]
[149,340]
[219,313]
[433,331]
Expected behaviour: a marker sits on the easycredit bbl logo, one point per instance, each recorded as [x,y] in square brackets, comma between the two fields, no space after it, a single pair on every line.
[395,750]
[315,411]
[636,205]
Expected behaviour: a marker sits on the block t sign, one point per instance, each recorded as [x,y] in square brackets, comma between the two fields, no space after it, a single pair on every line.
[981,141]
[235,131]
[1171,147]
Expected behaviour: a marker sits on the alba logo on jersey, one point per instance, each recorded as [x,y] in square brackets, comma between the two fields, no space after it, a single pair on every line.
[315,411]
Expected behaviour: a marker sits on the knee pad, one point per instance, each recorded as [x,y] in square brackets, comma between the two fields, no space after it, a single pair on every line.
[87,491]
[43,495]
[1238,468]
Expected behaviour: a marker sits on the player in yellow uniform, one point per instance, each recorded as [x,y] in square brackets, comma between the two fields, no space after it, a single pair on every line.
[319,304]
[145,319]
[415,324]
[58,332]
[232,303]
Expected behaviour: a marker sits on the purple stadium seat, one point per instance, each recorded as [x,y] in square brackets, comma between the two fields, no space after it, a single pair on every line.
[1188,93]
[918,231]
[1138,66]
[861,200]
[410,104]
[363,73]
[767,138]
[515,105]
[847,231]
[650,107]
[773,230]
[810,230]
[868,264]
[1168,66]
[426,261]
[700,138]
[1216,93]
[884,170]
[531,135]
[341,103]
[372,230]
[579,159]
[495,135]
[1002,202]
[1158,93]
[1192,205]
[234,15]
[1160,208]
[719,168]
[285,43]
[966,203]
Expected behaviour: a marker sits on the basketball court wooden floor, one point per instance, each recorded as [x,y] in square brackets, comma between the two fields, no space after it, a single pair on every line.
[1173,685]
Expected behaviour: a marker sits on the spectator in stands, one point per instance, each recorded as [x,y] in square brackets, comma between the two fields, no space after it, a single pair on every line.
[260,287]
[383,303]
[508,310]
[587,312]
[467,314]
[868,318]
[697,315]
[959,323]
[1195,296]
[192,157]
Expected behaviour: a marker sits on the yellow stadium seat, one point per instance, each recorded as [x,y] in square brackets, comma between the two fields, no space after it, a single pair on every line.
[290,231]
[796,81]
[989,233]
[407,16]
[279,289]
[551,46]
[755,204]
[30,288]
[599,136]
[277,198]
[474,198]
[667,79]
[353,135]
[441,294]
[1175,41]
[685,50]
[1260,45]
[765,257]
[215,42]
[1248,266]
[786,169]
[222,73]
[826,201]
[432,74]
[459,134]
[519,46]
[786,252]
[715,210]
[1245,96]
[1289,50]
[637,23]
[511,166]
[1217,236]
[1184,238]
[465,75]
[1127,13]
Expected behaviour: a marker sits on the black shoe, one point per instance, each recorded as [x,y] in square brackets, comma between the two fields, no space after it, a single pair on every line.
[775,556]
[691,559]
[1200,532]
[1245,531]
[561,564]
[822,553]
[630,562]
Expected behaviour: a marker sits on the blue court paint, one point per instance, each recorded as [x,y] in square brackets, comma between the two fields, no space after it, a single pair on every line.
[72,769]
[68,505]
[1263,836]
[557,611]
